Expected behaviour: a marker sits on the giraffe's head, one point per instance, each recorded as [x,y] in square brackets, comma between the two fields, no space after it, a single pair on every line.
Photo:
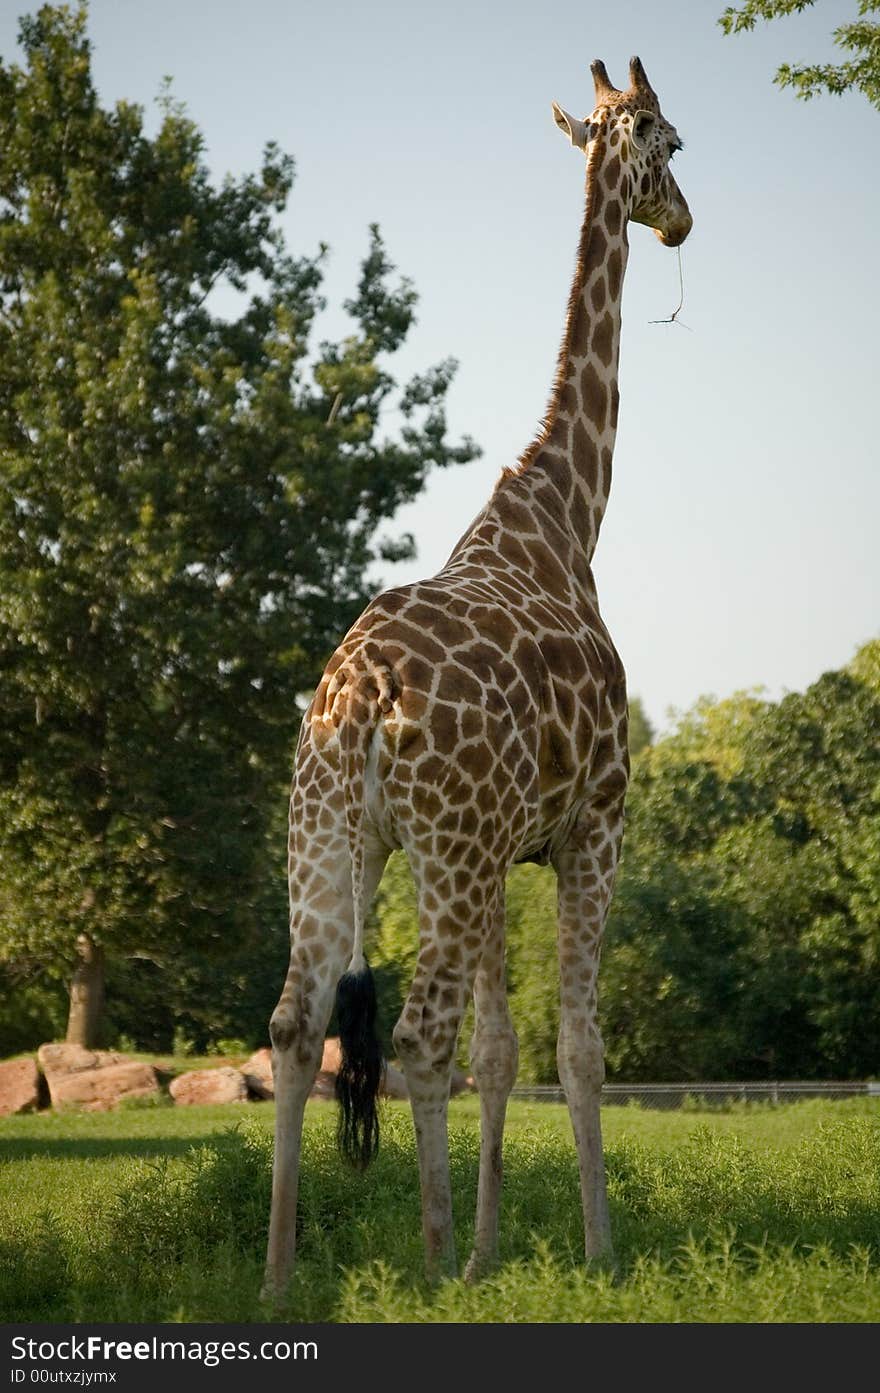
[630,139]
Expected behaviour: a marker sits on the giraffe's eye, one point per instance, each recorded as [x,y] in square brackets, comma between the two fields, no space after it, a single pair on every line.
[673,146]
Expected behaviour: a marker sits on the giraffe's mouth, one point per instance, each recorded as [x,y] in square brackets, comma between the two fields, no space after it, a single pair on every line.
[675,235]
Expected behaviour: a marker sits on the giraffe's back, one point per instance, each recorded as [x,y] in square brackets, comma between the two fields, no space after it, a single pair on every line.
[489,714]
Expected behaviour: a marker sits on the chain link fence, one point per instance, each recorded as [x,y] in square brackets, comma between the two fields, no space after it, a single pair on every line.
[709,1095]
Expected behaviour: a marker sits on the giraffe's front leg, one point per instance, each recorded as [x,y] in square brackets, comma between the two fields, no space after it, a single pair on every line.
[585,870]
[494,1057]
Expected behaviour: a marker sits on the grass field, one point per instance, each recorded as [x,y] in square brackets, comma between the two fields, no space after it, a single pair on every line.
[159,1213]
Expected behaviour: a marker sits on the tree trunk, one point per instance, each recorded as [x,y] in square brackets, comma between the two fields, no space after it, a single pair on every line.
[86,995]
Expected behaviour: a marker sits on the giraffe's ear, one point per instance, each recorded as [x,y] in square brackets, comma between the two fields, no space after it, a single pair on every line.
[575,130]
[642,126]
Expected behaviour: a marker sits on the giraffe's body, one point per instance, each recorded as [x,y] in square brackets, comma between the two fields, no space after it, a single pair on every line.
[478,719]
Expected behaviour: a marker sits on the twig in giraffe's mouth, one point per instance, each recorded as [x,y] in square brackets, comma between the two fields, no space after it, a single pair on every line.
[673,318]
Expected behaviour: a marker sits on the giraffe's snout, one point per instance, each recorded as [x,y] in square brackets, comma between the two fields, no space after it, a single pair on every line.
[675,234]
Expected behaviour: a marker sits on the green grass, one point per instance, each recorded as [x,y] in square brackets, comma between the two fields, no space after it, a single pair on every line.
[159,1213]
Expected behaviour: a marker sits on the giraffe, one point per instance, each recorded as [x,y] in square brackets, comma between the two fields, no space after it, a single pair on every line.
[477,719]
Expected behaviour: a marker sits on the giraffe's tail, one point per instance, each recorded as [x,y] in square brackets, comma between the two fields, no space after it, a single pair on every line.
[360,1069]
[362,1064]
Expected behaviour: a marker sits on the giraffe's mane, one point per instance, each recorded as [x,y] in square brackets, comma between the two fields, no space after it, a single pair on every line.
[594,159]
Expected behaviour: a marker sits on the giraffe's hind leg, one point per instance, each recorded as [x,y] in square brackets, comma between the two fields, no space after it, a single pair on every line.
[322,933]
[297,1033]
[585,870]
[494,1056]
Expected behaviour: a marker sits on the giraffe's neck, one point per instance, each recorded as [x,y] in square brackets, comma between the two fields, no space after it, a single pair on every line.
[574,451]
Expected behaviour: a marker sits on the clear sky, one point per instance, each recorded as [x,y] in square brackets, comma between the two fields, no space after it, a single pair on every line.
[740,547]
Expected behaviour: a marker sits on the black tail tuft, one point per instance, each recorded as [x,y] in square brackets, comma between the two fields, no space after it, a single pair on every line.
[361,1068]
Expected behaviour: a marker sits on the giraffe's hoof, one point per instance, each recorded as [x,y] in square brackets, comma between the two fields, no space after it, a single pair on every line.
[603,1261]
[479,1265]
[273,1290]
[440,1269]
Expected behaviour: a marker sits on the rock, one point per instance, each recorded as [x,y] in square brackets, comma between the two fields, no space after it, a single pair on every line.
[72,1059]
[102,1088]
[19,1086]
[324,1086]
[257,1074]
[461,1083]
[63,1064]
[224,1085]
[394,1083]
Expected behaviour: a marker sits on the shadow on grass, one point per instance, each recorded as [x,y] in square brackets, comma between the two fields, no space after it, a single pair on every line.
[89,1148]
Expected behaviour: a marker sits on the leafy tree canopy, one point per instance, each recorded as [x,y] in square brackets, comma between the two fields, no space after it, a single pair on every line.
[190,506]
[860,38]
[641,732]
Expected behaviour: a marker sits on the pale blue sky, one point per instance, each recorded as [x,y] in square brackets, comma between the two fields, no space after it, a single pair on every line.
[740,544]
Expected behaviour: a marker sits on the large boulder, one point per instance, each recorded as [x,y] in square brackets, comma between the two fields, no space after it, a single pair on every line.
[324,1086]
[19,1086]
[224,1085]
[257,1074]
[104,1087]
[95,1080]
[72,1059]
[393,1083]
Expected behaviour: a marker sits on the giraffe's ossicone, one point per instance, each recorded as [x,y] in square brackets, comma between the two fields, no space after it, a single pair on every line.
[478,719]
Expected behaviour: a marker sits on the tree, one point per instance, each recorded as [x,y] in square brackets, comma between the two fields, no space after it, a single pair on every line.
[676,942]
[533,969]
[641,732]
[393,941]
[687,787]
[189,510]
[860,37]
[744,933]
[673,962]
[757,826]
[817,755]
